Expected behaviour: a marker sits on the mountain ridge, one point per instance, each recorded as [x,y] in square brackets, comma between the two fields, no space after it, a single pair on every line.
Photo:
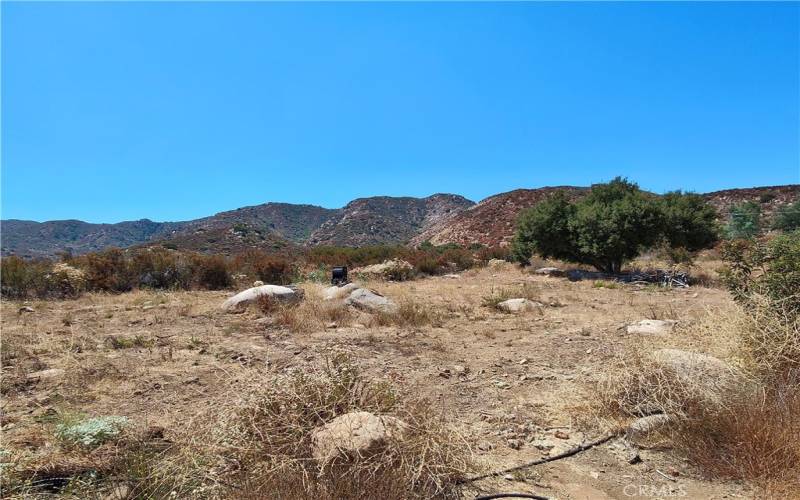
[440,218]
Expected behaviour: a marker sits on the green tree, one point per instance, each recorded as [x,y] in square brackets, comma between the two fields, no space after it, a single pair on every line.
[789,217]
[611,225]
[745,221]
[544,229]
[689,222]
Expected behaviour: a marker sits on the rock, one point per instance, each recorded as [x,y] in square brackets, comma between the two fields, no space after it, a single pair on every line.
[49,374]
[549,271]
[652,327]
[518,305]
[25,309]
[497,263]
[370,301]
[338,292]
[280,293]
[643,426]
[460,369]
[561,435]
[452,276]
[543,445]
[118,491]
[692,366]
[258,283]
[514,443]
[393,269]
[332,324]
[355,433]
[694,375]
[508,477]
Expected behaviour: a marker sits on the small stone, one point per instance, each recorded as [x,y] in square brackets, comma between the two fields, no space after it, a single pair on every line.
[514,443]
[508,477]
[25,309]
[561,434]
[652,327]
[49,374]
[332,324]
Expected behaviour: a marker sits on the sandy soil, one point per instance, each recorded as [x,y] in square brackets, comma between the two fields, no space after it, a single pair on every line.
[508,381]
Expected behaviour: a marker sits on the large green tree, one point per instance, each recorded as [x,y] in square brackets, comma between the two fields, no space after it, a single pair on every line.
[611,225]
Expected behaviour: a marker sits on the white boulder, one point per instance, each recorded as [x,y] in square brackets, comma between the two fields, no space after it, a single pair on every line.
[354,433]
[280,293]
[370,301]
[518,305]
[338,292]
[656,327]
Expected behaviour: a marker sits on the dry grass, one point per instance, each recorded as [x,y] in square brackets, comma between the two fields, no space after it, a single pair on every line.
[637,386]
[743,428]
[314,314]
[524,291]
[755,436]
[409,313]
[263,442]
[769,338]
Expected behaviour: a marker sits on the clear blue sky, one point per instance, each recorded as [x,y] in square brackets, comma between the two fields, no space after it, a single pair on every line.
[115,111]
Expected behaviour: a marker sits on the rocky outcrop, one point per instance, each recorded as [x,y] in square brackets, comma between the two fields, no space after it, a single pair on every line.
[385,219]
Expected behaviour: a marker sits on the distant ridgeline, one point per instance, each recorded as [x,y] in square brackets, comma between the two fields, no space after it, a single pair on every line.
[439,219]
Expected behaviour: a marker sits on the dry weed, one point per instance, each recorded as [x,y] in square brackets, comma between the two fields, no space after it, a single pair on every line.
[263,443]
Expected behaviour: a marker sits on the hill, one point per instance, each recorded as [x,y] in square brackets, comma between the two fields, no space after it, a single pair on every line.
[492,221]
[384,219]
[440,219]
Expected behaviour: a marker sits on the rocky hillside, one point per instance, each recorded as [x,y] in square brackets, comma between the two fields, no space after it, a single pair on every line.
[491,222]
[292,222]
[772,199]
[440,219]
[31,239]
[384,219]
[262,226]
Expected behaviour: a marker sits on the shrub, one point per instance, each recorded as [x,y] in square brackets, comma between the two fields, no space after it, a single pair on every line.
[604,229]
[90,432]
[690,224]
[772,270]
[755,436]
[788,218]
[107,271]
[269,268]
[212,272]
[65,281]
[745,221]
[20,279]
[160,268]
[268,437]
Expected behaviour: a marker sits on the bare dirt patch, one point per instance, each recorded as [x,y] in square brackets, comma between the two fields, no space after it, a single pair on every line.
[517,386]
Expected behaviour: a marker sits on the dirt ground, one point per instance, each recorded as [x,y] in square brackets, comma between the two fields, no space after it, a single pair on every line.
[507,381]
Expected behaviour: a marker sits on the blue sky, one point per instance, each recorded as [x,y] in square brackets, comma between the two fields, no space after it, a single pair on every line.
[170,111]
